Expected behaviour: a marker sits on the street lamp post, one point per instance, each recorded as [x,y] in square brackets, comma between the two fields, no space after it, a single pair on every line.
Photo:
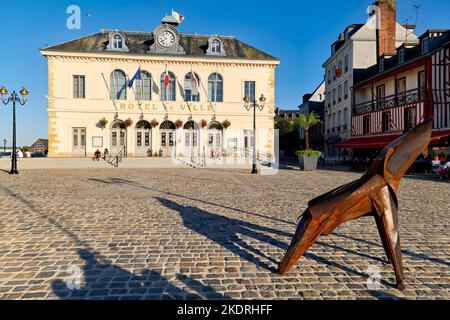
[14,98]
[249,105]
[4,145]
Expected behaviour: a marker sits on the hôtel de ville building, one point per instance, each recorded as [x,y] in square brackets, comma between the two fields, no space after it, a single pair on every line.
[159,93]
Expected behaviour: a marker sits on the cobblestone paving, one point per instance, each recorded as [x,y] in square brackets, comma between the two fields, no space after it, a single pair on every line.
[196,234]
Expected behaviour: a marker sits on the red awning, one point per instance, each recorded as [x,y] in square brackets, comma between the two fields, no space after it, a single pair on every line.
[374,142]
[437,135]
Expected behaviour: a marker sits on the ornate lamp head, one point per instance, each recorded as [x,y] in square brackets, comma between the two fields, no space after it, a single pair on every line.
[3,91]
[247,102]
[262,102]
[24,91]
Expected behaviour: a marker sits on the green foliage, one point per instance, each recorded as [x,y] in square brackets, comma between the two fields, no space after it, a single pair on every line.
[308,153]
[26,148]
[102,123]
[307,122]
[285,126]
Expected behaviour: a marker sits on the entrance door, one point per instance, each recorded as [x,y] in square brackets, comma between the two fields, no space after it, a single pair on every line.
[143,143]
[215,143]
[79,142]
[167,142]
[118,141]
[191,146]
[248,142]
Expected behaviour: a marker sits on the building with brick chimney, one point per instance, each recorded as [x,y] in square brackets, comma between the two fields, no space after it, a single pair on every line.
[355,50]
[401,91]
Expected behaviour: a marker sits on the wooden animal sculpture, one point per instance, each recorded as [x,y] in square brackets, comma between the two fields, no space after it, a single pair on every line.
[374,194]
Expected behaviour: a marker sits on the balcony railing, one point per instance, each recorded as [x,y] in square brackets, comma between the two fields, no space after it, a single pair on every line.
[395,100]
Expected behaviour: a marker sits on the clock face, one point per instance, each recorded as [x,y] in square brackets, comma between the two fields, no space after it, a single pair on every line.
[166,39]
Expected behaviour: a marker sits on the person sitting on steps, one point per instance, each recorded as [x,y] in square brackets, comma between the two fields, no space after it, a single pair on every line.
[97,155]
[105,153]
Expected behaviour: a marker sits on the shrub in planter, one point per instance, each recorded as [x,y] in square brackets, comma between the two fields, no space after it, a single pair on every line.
[128,122]
[102,123]
[226,124]
[308,159]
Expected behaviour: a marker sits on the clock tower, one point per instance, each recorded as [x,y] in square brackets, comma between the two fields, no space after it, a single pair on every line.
[167,38]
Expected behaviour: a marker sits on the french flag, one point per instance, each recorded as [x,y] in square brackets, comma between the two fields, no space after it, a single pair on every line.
[194,84]
[166,77]
[178,16]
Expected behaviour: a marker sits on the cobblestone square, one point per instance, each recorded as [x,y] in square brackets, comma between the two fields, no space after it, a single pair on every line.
[205,234]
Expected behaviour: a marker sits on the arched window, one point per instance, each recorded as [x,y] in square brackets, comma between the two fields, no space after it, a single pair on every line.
[214,125]
[216,47]
[118,85]
[117,42]
[191,125]
[167,125]
[192,87]
[143,124]
[143,87]
[118,124]
[168,92]
[215,88]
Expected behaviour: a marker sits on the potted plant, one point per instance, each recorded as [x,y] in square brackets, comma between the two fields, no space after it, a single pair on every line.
[226,124]
[178,123]
[203,123]
[154,123]
[308,158]
[102,123]
[128,122]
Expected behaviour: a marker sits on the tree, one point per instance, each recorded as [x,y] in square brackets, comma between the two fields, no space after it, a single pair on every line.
[284,126]
[306,123]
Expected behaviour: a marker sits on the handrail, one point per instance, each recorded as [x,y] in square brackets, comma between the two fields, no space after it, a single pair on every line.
[391,101]
[115,160]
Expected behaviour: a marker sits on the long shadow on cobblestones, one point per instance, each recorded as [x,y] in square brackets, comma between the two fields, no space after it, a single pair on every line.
[138,185]
[105,281]
[135,184]
[225,232]
[419,256]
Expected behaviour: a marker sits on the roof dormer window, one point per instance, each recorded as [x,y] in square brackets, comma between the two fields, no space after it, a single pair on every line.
[116,42]
[381,65]
[401,56]
[425,45]
[215,47]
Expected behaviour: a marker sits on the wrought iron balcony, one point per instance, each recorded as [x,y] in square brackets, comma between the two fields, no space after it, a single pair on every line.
[395,100]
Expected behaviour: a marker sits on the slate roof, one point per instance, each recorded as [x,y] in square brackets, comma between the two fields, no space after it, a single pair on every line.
[40,142]
[363,76]
[140,42]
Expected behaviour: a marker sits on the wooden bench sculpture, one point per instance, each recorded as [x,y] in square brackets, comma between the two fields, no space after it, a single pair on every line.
[374,194]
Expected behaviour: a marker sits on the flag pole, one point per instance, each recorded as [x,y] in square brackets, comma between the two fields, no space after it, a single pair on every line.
[207,97]
[109,91]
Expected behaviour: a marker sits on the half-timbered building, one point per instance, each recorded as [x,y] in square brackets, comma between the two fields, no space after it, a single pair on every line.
[401,91]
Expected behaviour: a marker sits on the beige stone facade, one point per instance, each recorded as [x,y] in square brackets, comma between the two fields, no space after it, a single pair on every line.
[73,129]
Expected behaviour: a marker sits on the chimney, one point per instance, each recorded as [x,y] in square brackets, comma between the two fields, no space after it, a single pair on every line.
[386,33]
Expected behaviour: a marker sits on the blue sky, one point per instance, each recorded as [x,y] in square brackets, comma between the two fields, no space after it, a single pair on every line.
[297,32]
